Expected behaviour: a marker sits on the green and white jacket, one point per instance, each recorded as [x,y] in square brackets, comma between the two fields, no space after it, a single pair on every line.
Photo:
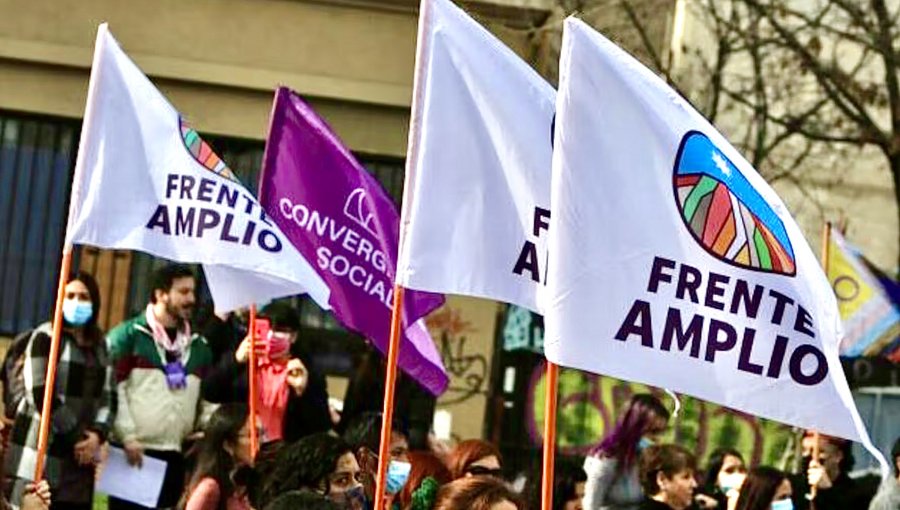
[148,411]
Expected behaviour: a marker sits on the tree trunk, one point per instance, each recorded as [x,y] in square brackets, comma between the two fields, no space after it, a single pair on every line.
[895,172]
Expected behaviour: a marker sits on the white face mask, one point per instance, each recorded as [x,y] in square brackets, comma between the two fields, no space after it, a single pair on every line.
[730,481]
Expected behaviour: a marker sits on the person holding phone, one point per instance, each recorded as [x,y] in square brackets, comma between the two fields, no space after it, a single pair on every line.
[293,401]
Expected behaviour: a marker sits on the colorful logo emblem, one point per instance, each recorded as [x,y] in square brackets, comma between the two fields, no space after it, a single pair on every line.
[725,213]
[203,153]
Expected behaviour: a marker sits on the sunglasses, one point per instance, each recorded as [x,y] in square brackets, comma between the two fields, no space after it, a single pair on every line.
[484,471]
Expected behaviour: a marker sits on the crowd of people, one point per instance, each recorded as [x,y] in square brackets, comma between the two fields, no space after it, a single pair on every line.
[157,389]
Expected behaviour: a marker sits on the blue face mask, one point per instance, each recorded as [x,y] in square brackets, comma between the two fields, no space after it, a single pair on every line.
[76,312]
[644,443]
[398,473]
[783,504]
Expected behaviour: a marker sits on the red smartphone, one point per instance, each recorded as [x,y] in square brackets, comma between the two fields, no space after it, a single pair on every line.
[262,329]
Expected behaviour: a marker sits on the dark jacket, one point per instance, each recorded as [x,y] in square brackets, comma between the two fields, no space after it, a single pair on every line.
[845,493]
[305,415]
[83,399]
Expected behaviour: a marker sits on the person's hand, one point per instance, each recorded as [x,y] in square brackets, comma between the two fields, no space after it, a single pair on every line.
[242,354]
[817,477]
[705,502]
[195,436]
[36,497]
[297,376]
[134,453]
[86,449]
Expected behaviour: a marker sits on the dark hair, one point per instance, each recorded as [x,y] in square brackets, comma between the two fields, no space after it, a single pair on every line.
[305,464]
[424,464]
[759,488]
[475,493]
[365,430]
[304,500]
[714,465]
[566,481]
[621,444]
[281,315]
[469,452]
[668,459]
[263,466]
[895,453]
[92,331]
[214,461]
[164,277]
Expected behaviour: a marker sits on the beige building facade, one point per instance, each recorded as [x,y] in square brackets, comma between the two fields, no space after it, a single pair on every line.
[218,62]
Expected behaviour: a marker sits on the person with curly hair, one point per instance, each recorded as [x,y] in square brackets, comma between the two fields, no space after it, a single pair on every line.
[320,463]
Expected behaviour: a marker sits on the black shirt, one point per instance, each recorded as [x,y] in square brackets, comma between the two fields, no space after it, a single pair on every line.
[652,504]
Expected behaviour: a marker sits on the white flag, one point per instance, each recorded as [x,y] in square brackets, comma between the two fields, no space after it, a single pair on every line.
[673,262]
[476,208]
[144,180]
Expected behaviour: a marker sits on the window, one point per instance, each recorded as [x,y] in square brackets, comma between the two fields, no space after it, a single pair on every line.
[37,158]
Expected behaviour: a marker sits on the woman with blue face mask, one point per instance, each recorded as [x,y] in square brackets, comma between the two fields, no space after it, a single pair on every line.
[83,401]
[765,488]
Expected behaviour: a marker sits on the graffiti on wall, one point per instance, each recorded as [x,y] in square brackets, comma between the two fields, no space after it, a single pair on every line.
[588,406]
[468,370]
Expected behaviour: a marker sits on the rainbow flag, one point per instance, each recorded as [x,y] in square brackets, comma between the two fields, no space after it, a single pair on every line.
[871,318]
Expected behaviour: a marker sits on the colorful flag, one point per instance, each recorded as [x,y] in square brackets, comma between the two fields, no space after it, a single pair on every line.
[673,263]
[476,203]
[336,213]
[145,180]
[871,319]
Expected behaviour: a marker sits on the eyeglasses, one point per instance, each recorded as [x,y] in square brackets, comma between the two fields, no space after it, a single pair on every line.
[484,471]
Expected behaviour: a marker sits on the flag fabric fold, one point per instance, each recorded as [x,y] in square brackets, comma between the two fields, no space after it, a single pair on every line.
[673,263]
[476,203]
[338,215]
[145,180]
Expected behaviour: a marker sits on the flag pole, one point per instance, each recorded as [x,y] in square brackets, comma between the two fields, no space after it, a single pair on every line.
[387,414]
[50,384]
[252,391]
[551,391]
[826,242]
[65,266]
[253,396]
[412,154]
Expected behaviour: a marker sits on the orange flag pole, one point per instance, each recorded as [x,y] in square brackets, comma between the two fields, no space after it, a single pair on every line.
[44,434]
[826,242]
[550,392]
[387,414]
[252,393]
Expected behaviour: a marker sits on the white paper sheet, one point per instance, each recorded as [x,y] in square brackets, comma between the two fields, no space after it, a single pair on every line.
[138,485]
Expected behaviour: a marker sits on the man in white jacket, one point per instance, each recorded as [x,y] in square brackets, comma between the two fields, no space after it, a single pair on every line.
[159,365]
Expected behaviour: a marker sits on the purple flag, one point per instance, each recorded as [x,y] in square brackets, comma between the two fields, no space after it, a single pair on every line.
[339,216]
